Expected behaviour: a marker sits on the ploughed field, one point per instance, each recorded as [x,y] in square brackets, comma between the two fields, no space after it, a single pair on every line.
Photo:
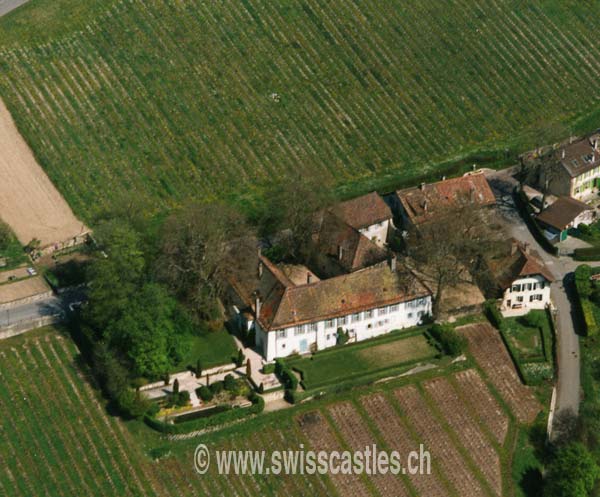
[58,439]
[166,100]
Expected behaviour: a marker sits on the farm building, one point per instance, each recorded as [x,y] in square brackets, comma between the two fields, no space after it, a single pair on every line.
[577,172]
[523,279]
[563,214]
[368,214]
[418,205]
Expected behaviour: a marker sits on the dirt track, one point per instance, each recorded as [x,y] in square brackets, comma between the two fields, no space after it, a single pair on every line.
[29,202]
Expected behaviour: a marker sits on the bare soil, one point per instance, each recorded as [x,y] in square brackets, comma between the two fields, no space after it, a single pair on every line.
[22,289]
[29,202]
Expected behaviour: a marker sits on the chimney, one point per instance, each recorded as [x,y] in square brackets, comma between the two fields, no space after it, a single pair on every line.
[422,186]
[257,305]
[526,248]
[564,153]
[340,252]
[425,205]
[443,178]
[392,262]
[597,145]
[513,247]
[308,278]
[473,167]
[260,269]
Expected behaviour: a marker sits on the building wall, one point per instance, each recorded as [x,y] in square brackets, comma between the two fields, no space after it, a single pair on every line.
[534,293]
[360,326]
[377,232]
[585,184]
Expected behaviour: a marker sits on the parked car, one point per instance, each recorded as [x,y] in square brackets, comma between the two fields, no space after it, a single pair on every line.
[31,271]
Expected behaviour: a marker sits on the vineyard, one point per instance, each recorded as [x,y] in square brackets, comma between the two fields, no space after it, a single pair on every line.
[58,439]
[168,100]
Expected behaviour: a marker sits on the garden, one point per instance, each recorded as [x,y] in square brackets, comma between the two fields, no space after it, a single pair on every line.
[389,354]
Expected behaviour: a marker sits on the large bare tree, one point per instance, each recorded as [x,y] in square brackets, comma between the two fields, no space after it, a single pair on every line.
[197,242]
[449,247]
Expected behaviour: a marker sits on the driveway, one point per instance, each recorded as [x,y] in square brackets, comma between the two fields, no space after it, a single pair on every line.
[562,291]
[7,5]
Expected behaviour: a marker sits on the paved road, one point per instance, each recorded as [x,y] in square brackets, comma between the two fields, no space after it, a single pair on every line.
[51,306]
[7,5]
[562,291]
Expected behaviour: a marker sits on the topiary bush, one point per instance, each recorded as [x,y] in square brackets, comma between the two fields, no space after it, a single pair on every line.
[205,393]
[229,383]
[217,387]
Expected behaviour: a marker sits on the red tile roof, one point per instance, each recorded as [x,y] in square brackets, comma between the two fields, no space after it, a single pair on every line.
[523,262]
[364,211]
[562,213]
[284,304]
[423,203]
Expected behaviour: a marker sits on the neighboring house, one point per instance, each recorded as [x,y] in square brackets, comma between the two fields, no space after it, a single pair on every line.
[339,248]
[295,314]
[563,214]
[368,214]
[523,278]
[420,204]
[577,173]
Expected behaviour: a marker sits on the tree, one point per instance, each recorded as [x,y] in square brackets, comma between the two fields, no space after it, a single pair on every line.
[289,209]
[448,248]
[198,368]
[239,358]
[176,386]
[145,332]
[115,275]
[248,369]
[194,262]
[572,473]
[452,343]
[5,236]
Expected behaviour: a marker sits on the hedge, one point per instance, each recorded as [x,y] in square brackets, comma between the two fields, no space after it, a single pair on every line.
[232,414]
[584,290]
[522,204]
[286,375]
[587,254]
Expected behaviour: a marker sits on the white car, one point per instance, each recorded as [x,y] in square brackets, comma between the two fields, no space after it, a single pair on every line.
[31,271]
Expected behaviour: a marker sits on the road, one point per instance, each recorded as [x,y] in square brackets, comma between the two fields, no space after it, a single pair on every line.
[562,292]
[7,5]
[47,307]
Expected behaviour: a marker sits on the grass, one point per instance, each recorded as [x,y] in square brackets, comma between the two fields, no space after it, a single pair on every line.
[526,340]
[166,100]
[340,364]
[213,348]
[526,468]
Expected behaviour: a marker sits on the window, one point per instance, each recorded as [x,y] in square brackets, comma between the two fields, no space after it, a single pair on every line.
[328,337]
[420,314]
[299,330]
[342,320]
[314,326]
[394,308]
[410,315]
[516,288]
[382,311]
[356,317]
[329,323]
[281,334]
[539,297]
[283,345]
[531,298]
[543,285]
[519,298]
[369,314]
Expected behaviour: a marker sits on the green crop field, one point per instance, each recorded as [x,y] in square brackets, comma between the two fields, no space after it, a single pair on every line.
[166,100]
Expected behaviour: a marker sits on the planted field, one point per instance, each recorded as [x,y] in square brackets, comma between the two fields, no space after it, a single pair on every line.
[167,100]
[486,346]
[363,358]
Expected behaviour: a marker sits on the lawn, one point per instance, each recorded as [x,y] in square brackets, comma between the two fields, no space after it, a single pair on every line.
[343,363]
[174,100]
[213,348]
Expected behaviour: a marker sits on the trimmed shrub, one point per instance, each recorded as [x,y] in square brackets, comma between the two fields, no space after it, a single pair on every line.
[587,254]
[268,368]
[205,393]
[183,399]
[217,387]
[229,383]
[493,314]
[452,343]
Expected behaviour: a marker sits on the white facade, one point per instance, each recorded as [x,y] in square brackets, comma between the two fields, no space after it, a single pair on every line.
[525,294]
[377,232]
[360,326]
